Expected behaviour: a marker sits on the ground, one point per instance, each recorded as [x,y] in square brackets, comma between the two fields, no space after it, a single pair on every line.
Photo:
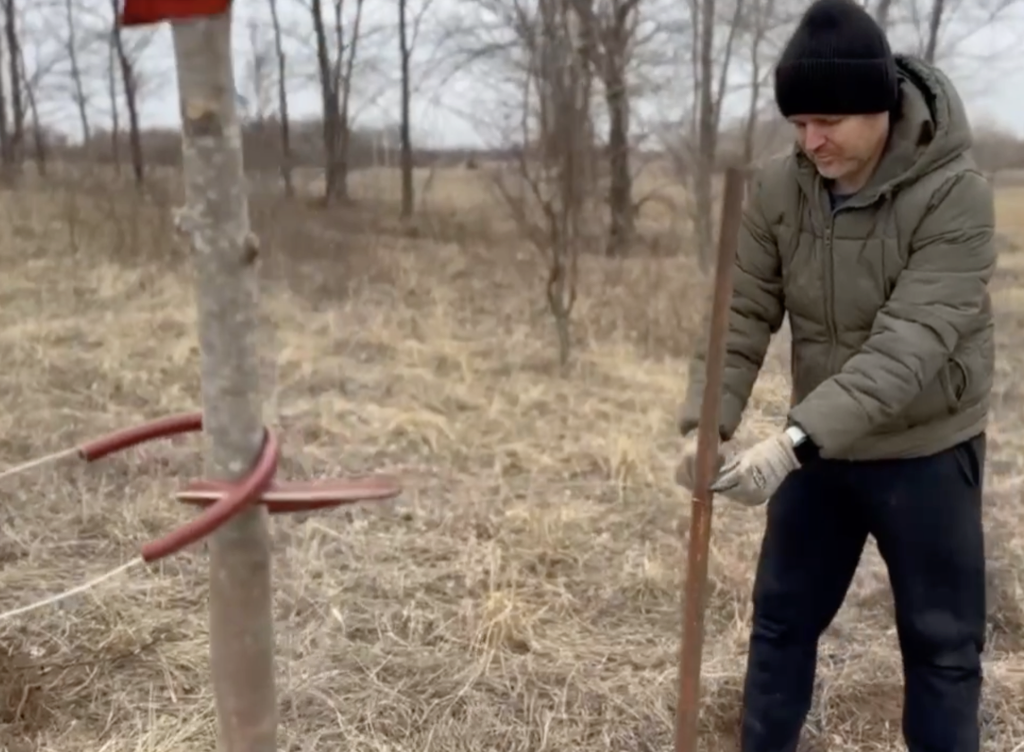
[522,595]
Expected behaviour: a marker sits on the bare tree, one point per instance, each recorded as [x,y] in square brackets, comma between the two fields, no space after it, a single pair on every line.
[6,152]
[259,75]
[707,129]
[115,109]
[696,158]
[129,83]
[335,74]
[548,194]
[882,10]
[217,223]
[405,54]
[934,24]
[936,30]
[15,79]
[282,103]
[78,91]
[609,34]
[38,131]
[758,20]
[409,26]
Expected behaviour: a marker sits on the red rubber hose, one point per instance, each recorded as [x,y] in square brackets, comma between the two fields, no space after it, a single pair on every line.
[221,500]
[239,495]
[161,428]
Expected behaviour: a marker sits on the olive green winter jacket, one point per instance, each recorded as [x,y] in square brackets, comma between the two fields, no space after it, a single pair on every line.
[887,295]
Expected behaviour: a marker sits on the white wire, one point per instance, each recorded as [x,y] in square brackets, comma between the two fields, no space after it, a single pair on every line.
[37,462]
[73,591]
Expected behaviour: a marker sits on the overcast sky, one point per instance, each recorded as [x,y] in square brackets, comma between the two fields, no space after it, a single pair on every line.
[463,111]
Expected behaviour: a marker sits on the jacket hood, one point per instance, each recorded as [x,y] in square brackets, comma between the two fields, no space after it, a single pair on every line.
[932,129]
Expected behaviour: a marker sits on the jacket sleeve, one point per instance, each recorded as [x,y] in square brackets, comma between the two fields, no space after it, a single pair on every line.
[756,313]
[937,298]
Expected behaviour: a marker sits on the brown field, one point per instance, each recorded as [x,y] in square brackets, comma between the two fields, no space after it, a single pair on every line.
[534,562]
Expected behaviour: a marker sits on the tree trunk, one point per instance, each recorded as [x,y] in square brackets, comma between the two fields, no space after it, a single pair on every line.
[216,219]
[80,96]
[282,105]
[329,102]
[134,128]
[343,92]
[17,143]
[130,98]
[706,139]
[38,131]
[934,26]
[408,196]
[115,116]
[5,131]
[620,188]
[882,13]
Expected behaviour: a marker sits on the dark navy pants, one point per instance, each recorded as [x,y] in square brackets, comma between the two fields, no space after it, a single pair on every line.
[925,515]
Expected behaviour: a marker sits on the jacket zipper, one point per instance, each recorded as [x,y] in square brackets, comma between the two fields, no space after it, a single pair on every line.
[829,281]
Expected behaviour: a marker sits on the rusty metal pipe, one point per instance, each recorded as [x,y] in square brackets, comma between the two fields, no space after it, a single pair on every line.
[695,589]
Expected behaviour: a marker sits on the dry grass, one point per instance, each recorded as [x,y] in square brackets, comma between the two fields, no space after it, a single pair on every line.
[524,593]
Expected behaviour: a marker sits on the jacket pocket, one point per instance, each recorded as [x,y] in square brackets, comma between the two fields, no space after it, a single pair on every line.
[970,459]
[942,397]
[955,379]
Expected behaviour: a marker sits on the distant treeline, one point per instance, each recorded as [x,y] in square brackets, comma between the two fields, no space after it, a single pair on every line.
[995,149]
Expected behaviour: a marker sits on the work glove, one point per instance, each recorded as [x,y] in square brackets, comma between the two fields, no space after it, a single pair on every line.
[752,476]
[686,470]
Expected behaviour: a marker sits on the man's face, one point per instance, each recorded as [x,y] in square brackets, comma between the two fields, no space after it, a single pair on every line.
[841,145]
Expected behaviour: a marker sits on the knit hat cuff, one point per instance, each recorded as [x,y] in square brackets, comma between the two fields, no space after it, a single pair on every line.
[836,87]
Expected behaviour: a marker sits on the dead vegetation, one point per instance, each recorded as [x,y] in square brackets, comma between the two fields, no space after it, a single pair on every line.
[524,592]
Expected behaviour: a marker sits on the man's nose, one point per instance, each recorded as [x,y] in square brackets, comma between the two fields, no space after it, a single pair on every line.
[813,138]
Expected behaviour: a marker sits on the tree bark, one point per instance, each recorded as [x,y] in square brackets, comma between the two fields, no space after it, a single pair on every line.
[707,133]
[115,118]
[216,219]
[128,82]
[80,97]
[620,188]
[17,142]
[282,104]
[405,53]
[934,26]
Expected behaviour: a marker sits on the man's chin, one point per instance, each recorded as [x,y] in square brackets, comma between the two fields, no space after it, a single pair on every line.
[830,171]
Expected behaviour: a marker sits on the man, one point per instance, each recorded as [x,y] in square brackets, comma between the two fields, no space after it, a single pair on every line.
[876,237]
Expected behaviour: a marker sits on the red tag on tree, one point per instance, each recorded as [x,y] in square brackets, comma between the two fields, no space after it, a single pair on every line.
[140,12]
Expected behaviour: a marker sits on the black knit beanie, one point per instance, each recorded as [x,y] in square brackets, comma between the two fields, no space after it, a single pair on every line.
[838,62]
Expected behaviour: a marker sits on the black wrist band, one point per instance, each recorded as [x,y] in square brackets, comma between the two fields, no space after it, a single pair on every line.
[807,451]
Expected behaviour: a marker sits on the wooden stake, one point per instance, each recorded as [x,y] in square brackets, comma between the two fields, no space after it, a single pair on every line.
[694,592]
[216,221]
